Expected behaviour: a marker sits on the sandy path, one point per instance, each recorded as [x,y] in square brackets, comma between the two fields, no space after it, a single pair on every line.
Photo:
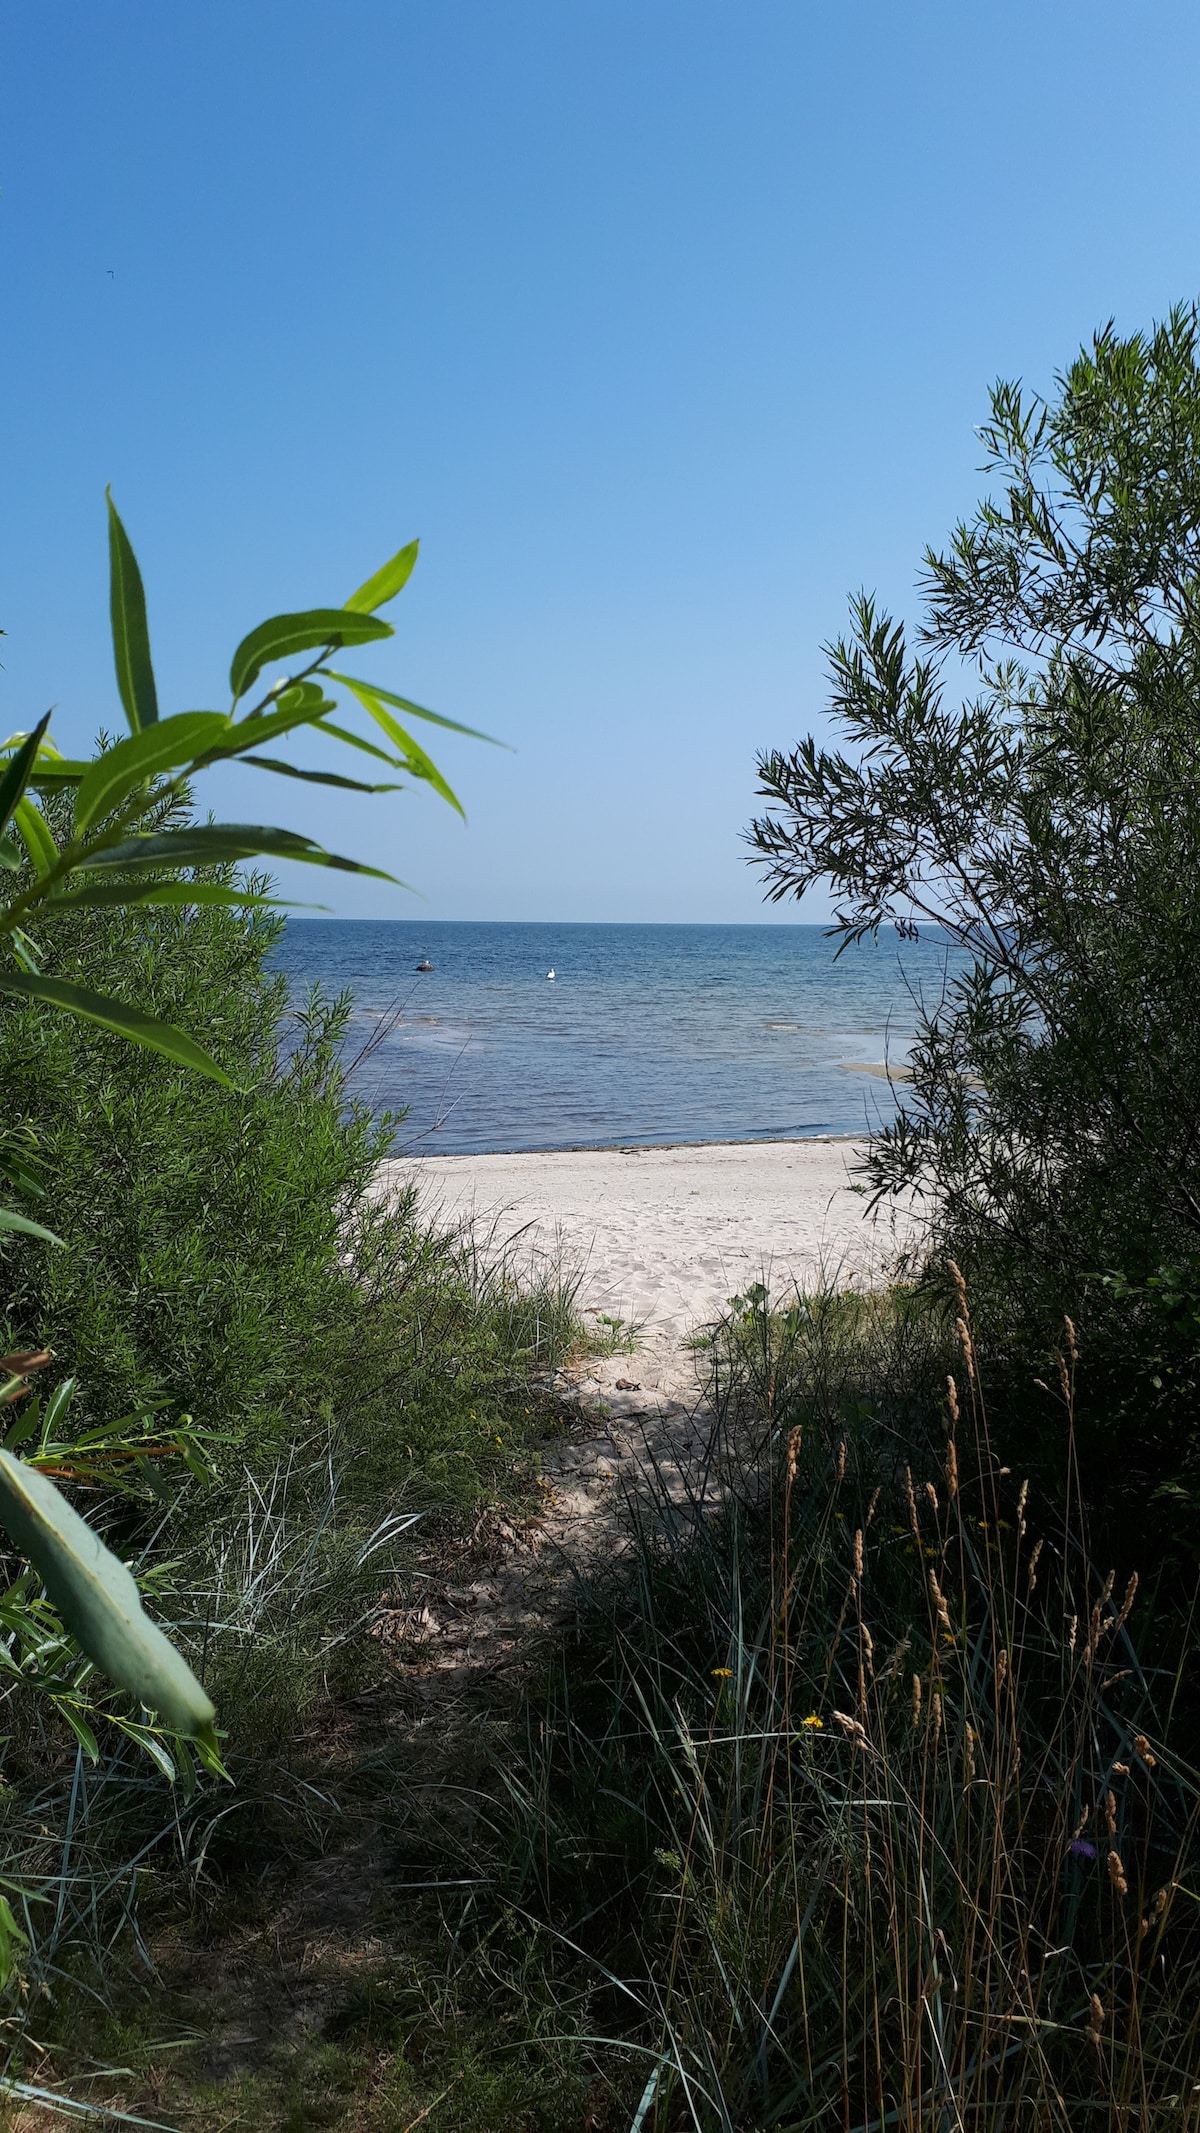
[664,1236]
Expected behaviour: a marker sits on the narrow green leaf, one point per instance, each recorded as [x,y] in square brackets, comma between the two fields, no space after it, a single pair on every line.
[282,635]
[401,703]
[11,1939]
[166,745]
[174,894]
[130,635]
[34,832]
[416,760]
[10,1220]
[259,726]
[10,854]
[114,1015]
[99,1601]
[17,772]
[315,777]
[71,1711]
[27,952]
[53,772]
[150,1745]
[303,697]
[355,740]
[304,701]
[386,583]
[211,844]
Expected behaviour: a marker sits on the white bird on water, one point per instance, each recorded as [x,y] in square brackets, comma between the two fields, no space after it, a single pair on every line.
[549,973]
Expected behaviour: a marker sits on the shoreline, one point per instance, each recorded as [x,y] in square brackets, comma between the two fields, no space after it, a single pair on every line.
[487,1155]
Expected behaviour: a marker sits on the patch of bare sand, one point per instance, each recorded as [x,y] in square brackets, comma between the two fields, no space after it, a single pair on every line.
[665,1236]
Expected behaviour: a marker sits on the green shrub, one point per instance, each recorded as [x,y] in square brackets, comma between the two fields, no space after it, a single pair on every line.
[205,1225]
[1029,780]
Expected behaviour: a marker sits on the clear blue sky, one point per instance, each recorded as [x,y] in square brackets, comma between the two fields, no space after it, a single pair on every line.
[664,323]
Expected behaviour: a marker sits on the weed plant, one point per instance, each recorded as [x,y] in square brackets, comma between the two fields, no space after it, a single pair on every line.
[358,1379]
[853,1792]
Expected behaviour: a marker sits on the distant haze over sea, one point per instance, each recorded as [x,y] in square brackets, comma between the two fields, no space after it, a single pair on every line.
[645,1034]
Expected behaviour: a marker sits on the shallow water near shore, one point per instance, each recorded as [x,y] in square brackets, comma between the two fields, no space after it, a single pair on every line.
[645,1035]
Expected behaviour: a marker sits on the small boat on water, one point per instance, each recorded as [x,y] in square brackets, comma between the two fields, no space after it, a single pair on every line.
[549,973]
[425,964]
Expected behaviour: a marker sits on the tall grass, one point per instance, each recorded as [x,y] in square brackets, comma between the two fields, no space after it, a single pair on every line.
[271,1577]
[854,1790]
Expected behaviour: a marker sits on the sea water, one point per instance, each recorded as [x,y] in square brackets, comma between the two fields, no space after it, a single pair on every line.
[644,1035]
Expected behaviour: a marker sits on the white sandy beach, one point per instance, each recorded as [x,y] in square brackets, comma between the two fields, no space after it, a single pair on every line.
[667,1235]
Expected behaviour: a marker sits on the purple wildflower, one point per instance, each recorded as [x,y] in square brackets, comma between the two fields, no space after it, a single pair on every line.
[1081,1849]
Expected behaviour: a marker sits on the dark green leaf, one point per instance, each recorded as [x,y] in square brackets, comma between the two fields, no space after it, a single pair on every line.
[99,1601]
[115,1015]
[386,583]
[218,844]
[316,777]
[130,635]
[284,634]
[176,894]
[163,746]
[56,771]
[401,703]
[16,774]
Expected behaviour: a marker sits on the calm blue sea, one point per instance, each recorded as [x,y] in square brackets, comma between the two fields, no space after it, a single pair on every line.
[645,1033]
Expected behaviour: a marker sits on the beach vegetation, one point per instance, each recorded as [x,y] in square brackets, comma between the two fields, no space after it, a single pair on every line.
[252,1370]
[1018,775]
[853,1799]
[853,1778]
[99,853]
[851,1795]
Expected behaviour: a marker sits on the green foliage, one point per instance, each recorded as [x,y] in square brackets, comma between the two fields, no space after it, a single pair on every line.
[99,1602]
[106,830]
[201,1216]
[1027,781]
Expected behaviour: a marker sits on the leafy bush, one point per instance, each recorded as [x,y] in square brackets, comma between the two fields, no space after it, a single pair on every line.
[107,835]
[1028,781]
[204,1224]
